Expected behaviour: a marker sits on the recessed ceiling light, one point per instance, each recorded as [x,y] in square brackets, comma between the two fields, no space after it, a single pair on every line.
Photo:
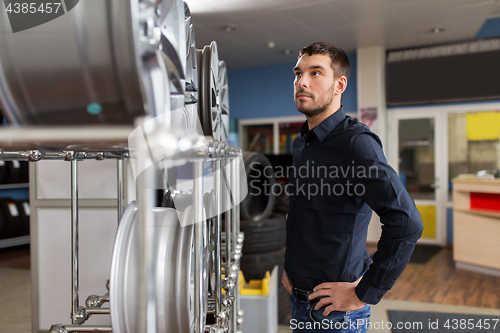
[271,44]
[287,51]
[438,30]
[230,27]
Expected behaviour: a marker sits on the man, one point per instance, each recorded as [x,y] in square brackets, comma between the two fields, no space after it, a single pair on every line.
[339,176]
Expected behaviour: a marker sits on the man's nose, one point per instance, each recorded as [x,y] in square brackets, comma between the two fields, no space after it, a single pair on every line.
[303,81]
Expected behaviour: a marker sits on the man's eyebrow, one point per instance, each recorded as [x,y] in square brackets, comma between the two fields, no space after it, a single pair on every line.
[296,68]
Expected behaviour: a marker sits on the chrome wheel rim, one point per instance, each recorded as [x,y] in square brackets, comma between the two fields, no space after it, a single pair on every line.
[224,101]
[209,108]
[174,274]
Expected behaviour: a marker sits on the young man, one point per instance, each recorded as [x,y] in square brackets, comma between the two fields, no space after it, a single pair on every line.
[339,176]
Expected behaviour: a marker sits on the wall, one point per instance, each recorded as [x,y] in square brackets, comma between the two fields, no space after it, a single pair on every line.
[268,91]
[490,28]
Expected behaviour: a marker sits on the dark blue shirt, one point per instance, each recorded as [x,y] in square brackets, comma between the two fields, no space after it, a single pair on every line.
[339,176]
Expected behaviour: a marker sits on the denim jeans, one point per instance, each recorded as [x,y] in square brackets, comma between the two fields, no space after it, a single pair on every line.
[307,320]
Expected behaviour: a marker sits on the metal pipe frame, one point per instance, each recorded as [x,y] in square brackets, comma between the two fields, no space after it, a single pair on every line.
[235,232]
[74,241]
[96,310]
[210,151]
[65,329]
[226,198]
[234,201]
[121,189]
[198,243]
[218,231]
[219,152]
[37,155]
[96,301]
[147,297]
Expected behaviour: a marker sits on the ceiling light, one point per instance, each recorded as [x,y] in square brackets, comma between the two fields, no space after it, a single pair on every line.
[437,30]
[271,44]
[287,51]
[230,27]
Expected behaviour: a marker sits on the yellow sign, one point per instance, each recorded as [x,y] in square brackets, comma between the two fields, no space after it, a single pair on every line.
[428,214]
[483,126]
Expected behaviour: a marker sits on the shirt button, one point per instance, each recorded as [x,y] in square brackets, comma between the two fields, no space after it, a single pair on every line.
[307,144]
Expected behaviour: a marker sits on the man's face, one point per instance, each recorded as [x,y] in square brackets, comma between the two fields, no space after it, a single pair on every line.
[314,84]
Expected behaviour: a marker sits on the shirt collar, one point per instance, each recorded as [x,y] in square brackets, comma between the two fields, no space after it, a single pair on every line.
[326,126]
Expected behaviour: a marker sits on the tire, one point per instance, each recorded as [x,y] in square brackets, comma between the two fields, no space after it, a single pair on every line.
[13,221]
[259,202]
[254,266]
[24,178]
[280,206]
[4,227]
[24,212]
[4,172]
[15,171]
[264,235]
[209,110]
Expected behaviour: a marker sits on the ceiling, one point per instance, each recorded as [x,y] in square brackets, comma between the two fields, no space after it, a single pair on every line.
[291,24]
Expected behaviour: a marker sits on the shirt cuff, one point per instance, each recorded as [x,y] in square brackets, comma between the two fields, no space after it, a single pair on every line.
[368,293]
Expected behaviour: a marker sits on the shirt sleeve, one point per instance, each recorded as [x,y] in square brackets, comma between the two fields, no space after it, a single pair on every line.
[401,222]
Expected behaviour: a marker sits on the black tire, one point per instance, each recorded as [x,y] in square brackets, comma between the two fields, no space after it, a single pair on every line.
[24,212]
[207,91]
[15,171]
[280,207]
[254,266]
[178,201]
[4,227]
[264,235]
[259,202]
[24,178]
[4,172]
[13,220]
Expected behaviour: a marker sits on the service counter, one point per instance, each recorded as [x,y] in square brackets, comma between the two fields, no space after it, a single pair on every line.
[476,225]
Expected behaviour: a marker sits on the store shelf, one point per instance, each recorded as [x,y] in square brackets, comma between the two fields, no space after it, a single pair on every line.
[81,138]
[487,213]
[14,186]
[14,241]
[475,227]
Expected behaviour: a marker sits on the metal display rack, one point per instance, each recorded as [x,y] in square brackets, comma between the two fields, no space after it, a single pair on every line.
[223,307]
[138,100]
[17,240]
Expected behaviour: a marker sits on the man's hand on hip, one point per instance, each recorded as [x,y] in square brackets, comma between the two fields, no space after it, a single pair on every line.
[340,296]
[286,282]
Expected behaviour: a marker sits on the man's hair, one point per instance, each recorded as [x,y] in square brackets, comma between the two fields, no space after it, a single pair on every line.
[340,61]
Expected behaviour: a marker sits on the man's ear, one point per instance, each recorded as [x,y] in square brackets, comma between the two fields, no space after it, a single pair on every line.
[341,85]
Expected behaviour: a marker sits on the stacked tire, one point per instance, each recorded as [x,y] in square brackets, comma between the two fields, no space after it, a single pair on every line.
[14,218]
[14,172]
[265,232]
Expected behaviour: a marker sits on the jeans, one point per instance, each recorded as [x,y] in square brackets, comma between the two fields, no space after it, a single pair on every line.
[307,320]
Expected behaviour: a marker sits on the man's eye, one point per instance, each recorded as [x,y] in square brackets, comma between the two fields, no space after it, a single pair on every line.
[316,73]
[297,74]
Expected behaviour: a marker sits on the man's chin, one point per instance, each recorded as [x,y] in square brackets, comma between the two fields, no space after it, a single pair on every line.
[310,113]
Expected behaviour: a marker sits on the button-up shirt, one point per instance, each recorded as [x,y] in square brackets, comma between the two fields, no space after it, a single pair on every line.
[339,175]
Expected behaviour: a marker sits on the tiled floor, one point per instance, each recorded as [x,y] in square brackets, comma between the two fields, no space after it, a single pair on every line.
[379,313]
[15,300]
[15,292]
